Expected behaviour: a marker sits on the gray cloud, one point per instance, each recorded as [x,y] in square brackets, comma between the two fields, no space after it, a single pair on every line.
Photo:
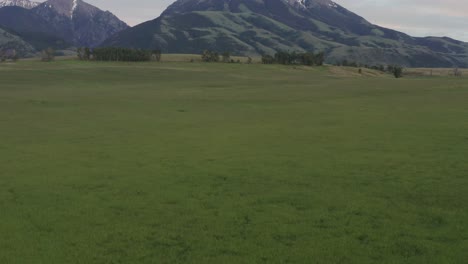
[415,17]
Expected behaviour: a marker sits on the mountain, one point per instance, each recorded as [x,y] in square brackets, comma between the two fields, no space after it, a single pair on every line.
[21,3]
[60,23]
[32,28]
[252,27]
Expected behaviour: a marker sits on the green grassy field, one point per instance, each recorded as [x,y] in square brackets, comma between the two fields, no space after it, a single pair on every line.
[230,163]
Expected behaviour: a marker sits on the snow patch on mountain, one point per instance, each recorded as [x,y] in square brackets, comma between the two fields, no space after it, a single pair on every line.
[21,3]
[75,4]
[299,3]
[312,3]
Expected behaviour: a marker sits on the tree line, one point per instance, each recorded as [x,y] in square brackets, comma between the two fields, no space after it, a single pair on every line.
[214,56]
[8,54]
[118,54]
[396,70]
[294,58]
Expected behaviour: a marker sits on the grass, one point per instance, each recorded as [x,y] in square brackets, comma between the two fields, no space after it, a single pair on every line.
[230,163]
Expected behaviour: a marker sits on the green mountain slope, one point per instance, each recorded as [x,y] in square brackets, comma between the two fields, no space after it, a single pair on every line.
[250,27]
[9,41]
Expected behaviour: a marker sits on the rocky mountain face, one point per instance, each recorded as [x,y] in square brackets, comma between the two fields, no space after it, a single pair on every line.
[79,22]
[21,3]
[32,28]
[60,23]
[252,27]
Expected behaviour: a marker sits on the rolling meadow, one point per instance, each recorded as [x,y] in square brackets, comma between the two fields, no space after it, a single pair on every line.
[179,162]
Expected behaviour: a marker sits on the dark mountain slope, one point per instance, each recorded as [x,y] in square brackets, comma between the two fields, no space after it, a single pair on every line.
[79,22]
[31,27]
[263,26]
[61,23]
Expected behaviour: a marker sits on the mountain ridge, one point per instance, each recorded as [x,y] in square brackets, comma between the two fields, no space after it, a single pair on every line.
[20,3]
[262,27]
[60,23]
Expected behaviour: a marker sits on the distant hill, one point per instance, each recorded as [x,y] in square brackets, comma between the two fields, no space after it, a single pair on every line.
[252,27]
[60,23]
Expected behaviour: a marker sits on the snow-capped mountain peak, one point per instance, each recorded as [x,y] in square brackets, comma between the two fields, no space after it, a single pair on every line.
[21,3]
[64,7]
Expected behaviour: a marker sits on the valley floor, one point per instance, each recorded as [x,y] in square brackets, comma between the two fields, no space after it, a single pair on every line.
[230,163]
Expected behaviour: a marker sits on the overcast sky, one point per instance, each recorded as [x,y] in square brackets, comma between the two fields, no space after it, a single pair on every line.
[415,17]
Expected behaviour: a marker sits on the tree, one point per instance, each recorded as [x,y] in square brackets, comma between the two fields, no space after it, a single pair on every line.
[307,58]
[80,53]
[48,55]
[319,58]
[249,60]
[2,56]
[156,56]
[457,72]
[226,57]
[84,53]
[285,58]
[268,59]
[397,71]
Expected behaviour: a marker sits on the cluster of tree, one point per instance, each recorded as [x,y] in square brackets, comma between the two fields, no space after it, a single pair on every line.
[457,72]
[210,56]
[84,53]
[213,56]
[346,63]
[396,70]
[294,58]
[48,55]
[8,54]
[118,54]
